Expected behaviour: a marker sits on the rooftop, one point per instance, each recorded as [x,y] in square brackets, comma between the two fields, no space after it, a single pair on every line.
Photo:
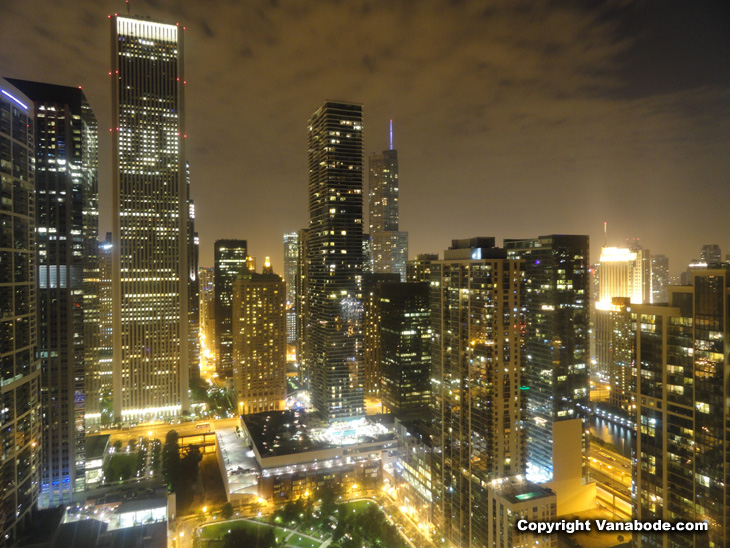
[517,489]
[279,433]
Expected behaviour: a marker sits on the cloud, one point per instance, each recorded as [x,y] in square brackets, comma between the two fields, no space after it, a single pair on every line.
[511,118]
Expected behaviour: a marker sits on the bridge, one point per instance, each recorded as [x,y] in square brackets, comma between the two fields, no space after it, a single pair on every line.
[204,441]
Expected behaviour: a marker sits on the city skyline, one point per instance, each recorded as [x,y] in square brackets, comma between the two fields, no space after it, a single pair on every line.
[607,128]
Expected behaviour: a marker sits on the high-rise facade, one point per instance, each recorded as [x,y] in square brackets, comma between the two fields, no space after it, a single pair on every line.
[625,272]
[259,342]
[711,255]
[291,256]
[302,307]
[230,258]
[206,309]
[334,254]
[555,356]
[625,278]
[99,370]
[419,269]
[20,412]
[682,390]
[150,250]
[405,348]
[388,245]
[193,296]
[659,278]
[67,228]
[476,316]
[371,334]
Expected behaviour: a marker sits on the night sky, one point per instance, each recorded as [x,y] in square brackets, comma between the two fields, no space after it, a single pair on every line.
[512,119]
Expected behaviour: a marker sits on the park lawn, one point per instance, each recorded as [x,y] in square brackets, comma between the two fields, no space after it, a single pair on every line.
[298,541]
[359,505]
[218,530]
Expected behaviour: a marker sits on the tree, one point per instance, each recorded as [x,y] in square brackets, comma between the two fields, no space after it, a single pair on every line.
[171,464]
[190,465]
[118,445]
[227,511]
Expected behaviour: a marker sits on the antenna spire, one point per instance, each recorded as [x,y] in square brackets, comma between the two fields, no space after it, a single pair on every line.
[391,134]
[605,234]
[129,8]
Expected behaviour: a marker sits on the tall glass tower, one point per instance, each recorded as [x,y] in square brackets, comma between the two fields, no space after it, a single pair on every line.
[230,260]
[555,356]
[67,228]
[150,221]
[20,370]
[388,245]
[334,251]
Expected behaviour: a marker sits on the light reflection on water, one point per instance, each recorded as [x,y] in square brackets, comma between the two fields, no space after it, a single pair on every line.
[619,436]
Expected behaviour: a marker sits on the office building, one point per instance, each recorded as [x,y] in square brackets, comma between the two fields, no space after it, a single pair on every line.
[67,229]
[371,334]
[150,251]
[259,341]
[230,258]
[193,294]
[419,269]
[291,256]
[513,499]
[625,272]
[388,245]
[412,488]
[625,279]
[555,356]
[302,308]
[711,255]
[21,372]
[404,364]
[334,253]
[99,371]
[659,278]
[476,303]
[206,307]
[682,415]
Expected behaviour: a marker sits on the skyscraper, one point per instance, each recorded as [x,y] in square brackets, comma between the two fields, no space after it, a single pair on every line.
[372,379]
[20,412]
[711,254]
[193,289]
[334,253]
[230,258]
[388,245]
[302,308]
[206,309]
[419,269]
[405,348]
[259,341]
[659,278]
[67,228]
[150,221]
[555,356]
[476,301]
[99,371]
[681,411]
[624,279]
[291,257]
